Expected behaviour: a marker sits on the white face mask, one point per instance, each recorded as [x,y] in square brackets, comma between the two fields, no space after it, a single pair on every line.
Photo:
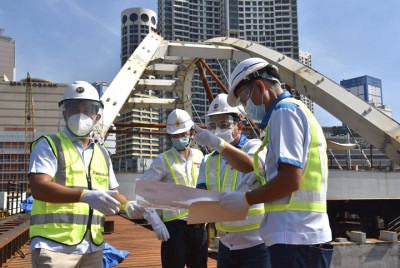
[225,134]
[80,124]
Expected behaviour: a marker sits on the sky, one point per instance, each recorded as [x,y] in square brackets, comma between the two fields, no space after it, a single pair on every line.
[69,40]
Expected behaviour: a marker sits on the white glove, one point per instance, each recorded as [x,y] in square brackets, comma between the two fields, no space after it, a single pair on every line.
[158,226]
[101,200]
[249,181]
[234,201]
[133,211]
[205,138]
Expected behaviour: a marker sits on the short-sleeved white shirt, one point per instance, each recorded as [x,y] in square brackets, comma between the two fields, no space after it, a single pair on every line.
[43,160]
[236,240]
[160,171]
[289,139]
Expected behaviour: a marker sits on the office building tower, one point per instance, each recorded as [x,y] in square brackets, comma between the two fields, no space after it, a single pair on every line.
[369,89]
[131,151]
[7,58]
[269,23]
[14,145]
[305,57]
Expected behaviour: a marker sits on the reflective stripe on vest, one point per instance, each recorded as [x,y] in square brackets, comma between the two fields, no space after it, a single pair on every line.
[228,184]
[66,223]
[311,195]
[180,178]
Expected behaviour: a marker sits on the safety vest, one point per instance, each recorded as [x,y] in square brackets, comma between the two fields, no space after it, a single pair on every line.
[66,223]
[311,195]
[180,178]
[228,184]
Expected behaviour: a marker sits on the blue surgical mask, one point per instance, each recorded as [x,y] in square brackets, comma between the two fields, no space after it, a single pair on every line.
[181,143]
[255,112]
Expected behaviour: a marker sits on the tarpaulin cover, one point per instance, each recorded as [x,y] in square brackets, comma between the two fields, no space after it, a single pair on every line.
[113,256]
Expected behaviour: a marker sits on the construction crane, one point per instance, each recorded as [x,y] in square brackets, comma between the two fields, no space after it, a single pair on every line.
[29,126]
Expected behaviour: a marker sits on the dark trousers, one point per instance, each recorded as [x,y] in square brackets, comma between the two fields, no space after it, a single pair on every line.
[187,245]
[254,257]
[301,256]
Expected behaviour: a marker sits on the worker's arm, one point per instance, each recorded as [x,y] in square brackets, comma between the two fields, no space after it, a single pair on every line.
[45,190]
[286,182]
[120,197]
[237,158]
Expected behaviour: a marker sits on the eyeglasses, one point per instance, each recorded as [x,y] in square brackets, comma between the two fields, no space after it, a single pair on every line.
[90,108]
[220,124]
[246,94]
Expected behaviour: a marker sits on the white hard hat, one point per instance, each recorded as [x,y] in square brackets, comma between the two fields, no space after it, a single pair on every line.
[178,121]
[247,70]
[220,106]
[80,90]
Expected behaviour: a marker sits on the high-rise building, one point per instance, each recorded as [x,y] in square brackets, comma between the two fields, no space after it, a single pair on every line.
[14,146]
[269,23]
[368,89]
[132,150]
[136,23]
[7,58]
[305,57]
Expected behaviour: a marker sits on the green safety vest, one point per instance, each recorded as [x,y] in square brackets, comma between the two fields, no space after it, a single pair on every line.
[229,183]
[67,223]
[311,196]
[179,177]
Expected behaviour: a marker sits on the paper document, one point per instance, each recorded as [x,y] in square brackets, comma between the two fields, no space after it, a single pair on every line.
[202,204]
[164,195]
[202,212]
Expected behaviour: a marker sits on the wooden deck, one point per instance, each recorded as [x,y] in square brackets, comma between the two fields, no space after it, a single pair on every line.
[134,237]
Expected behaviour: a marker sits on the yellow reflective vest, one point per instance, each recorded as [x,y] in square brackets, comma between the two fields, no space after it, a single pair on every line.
[311,195]
[67,223]
[229,184]
[180,178]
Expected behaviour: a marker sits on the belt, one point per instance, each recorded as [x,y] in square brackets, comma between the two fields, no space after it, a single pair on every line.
[183,222]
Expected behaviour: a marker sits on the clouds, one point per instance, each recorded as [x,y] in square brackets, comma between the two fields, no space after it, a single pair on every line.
[92,17]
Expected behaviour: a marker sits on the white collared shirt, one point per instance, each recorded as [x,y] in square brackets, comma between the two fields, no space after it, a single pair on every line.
[43,160]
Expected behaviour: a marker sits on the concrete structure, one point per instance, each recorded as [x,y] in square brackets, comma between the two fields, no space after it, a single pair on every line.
[136,23]
[373,253]
[269,23]
[13,146]
[368,89]
[7,58]
[46,96]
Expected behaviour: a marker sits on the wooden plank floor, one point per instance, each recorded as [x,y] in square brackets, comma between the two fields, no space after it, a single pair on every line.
[137,239]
